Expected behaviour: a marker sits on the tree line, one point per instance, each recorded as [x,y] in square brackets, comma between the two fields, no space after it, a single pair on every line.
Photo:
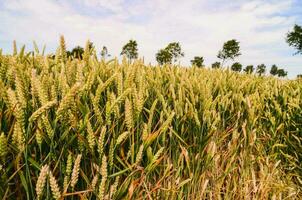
[230,51]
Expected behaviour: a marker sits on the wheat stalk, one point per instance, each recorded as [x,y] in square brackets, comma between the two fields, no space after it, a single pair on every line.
[54,186]
[75,171]
[41,181]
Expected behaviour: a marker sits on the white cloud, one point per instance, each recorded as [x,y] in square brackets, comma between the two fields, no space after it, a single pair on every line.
[112,5]
[201,27]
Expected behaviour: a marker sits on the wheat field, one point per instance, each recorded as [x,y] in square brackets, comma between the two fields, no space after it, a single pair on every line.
[100,129]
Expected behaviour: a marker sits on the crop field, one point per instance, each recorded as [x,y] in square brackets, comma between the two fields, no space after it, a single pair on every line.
[102,129]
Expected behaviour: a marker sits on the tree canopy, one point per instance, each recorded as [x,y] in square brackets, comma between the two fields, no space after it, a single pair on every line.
[163,57]
[104,52]
[175,50]
[197,61]
[170,53]
[249,69]
[76,52]
[294,38]
[261,69]
[281,73]
[130,50]
[274,70]
[236,67]
[216,65]
[230,50]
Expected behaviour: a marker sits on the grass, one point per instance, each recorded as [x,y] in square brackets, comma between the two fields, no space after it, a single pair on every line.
[96,129]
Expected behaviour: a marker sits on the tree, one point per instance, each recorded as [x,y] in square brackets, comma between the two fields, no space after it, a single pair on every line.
[249,69]
[299,76]
[236,67]
[281,73]
[274,70]
[230,50]
[216,65]
[294,38]
[77,52]
[175,50]
[163,57]
[260,69]
[170,53]
[68,54]
[130,50]
[104,52]
[90,45]
[197,61]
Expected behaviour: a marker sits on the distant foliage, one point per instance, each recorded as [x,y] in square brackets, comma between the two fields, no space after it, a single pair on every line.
[175,50]
[130,50]
[171,53]
[261,69]
[76,52]
[237,67]
[282,73]
[274,70]
[163,57]
[104,52]
[216,65]
[249,69]
[294,38]
[230,51]
[197,61]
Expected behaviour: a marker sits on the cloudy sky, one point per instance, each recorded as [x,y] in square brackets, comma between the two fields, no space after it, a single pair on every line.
[201,26]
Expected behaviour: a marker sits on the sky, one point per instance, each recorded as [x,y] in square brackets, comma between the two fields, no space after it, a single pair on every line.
[201,27]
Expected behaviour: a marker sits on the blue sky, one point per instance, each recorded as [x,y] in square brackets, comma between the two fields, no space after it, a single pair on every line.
[200,26]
